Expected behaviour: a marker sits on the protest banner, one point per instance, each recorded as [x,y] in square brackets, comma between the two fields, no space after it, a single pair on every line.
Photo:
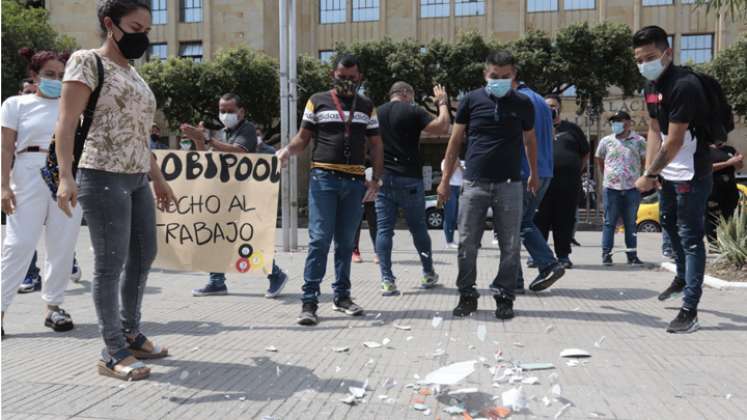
[225,213]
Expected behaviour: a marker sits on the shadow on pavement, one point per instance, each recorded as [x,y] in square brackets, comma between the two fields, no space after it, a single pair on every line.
[261,379]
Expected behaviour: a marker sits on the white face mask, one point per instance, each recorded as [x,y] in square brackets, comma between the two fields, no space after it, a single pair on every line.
[229,120]
[652,70]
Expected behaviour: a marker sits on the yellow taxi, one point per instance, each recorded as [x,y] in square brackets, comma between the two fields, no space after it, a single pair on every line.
[648,211]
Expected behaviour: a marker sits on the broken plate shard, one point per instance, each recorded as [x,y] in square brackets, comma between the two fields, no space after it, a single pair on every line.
[546,401]
[403,327]
[556,390]
[517,344]
[437,320]
[357,392]
[341,349]
[515,399]
[454,409]
[496,412]
[572,363]
[574,353]
[385,341]
[536,366]
[532,380]
[272,349]
[420,407]
[562,410]
[409,337]
[599,342]
[349,400]
[482,332]
[463,391]
[371,344]
[451,374]
[549,328]
[596,415]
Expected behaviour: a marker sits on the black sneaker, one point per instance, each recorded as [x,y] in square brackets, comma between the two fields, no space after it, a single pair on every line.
[504,307]
[308,314]
[566,263]
[347,306]
[635,261]
[466,306]
[547,277]
[574,242]
[675,288]
[686,322]
[607,259]
[520,291]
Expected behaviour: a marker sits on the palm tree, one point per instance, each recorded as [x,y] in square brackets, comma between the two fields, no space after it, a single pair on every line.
[735,8]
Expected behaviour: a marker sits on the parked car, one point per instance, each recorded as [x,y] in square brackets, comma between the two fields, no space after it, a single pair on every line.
[434,216]
[648,211]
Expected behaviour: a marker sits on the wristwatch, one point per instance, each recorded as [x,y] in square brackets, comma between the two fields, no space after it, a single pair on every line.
[650,176]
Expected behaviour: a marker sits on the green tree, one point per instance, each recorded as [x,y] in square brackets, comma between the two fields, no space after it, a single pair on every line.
[313,77]
[737,9]
[25,27]
[729,67]
[593,59]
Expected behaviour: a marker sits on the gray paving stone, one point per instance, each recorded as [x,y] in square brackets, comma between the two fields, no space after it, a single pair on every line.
[220,367]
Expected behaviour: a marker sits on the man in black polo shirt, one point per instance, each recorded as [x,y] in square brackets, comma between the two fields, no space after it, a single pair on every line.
[497,122]
[676,103]
[241,137]
[336,187]
[401,122]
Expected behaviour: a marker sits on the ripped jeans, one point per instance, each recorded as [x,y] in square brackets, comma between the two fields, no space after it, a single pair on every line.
[506,200]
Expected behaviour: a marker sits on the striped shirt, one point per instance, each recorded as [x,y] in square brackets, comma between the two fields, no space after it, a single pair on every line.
[323,119]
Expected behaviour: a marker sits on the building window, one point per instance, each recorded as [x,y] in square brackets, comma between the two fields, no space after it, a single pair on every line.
[579,4]
[696,48]
[365,10]
[159,51]
[191,50]
[469,8]
[434,8]
[191,11]
[332,11]
[325,56]
[159,12]
[542,5]
[657,2]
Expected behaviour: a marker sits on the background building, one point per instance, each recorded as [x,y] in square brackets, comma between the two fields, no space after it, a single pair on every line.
[200,28]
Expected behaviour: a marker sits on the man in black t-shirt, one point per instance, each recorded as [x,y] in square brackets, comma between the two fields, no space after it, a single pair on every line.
[241,137]
[725,195]
[676,102]
[400,124]
[497,122]
[557,212]
[343,125]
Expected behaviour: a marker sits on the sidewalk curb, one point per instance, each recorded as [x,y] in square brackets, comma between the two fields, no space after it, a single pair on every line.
[710,281]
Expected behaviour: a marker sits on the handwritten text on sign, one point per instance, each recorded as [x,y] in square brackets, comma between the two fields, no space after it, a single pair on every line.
[225,212]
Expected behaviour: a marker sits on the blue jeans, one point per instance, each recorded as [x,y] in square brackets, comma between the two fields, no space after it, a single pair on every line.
[451,213]
[219,279]
[683,208]
[533,240]
[121,217]
[334,213]
[405,193]
[505,199]
[620,203]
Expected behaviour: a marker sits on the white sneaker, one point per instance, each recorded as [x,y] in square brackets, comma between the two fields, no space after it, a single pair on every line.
[452,245]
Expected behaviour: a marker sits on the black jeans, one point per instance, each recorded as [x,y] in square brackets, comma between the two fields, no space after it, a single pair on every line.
[120,212]
[557,212]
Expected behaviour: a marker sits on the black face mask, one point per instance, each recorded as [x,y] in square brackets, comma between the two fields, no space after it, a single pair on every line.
[554,114]
[344,87]
[132,44]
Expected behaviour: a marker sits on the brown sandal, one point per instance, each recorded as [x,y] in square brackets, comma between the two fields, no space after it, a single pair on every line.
[133,372]
[137,349]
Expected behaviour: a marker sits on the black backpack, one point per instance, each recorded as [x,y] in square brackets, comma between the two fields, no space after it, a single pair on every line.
[718,121]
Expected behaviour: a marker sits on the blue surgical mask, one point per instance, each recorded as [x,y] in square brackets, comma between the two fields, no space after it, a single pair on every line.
[652,69]
[498,87]
[618,127]
[50,88]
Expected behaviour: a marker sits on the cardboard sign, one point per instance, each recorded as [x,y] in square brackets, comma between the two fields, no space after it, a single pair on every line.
[225,215]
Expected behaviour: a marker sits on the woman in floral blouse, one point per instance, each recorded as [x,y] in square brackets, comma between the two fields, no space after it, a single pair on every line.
[113,178]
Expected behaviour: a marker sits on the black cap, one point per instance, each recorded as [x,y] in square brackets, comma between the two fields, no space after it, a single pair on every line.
[620,116]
